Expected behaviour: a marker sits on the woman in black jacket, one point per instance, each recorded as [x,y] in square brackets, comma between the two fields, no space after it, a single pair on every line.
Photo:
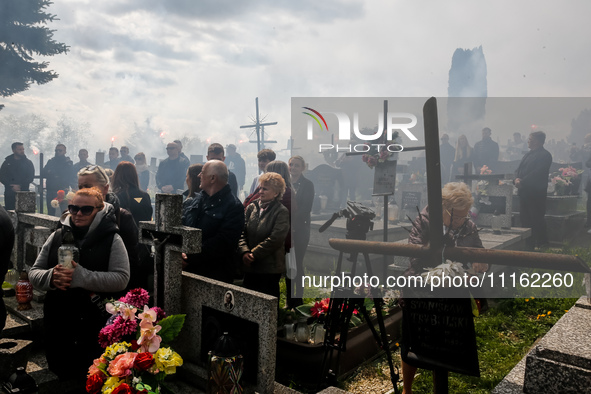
[126,187]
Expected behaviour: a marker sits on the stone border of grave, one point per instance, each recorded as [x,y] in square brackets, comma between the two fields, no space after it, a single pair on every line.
[560,362]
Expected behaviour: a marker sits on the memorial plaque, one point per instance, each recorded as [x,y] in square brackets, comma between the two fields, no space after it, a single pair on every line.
[497,204]
[438,333]
[384,180]
[411,200]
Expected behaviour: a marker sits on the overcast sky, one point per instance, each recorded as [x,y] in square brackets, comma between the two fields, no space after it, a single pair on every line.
[197,66]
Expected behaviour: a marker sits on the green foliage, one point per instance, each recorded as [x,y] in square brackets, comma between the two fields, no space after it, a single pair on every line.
[171,327]
[22,34]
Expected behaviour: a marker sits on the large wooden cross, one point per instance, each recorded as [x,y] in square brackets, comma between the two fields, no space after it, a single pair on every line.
[260,129]
[435,249]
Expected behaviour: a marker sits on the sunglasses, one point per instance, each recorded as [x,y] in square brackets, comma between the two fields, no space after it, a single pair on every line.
[85,210]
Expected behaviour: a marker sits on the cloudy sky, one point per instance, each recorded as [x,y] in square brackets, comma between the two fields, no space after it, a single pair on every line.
[197,66]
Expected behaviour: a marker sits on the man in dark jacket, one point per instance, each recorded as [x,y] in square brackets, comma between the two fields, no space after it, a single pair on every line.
[215,151]
[236,164]
[16,174]
[531,180]
[83,156]
[486,151]
[59,175]
[6,245]
[220,216]
[172,171]
[95,176]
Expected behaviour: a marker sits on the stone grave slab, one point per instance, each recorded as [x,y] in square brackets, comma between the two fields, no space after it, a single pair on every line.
[328,186]
[201,296]
[561,361]
[408,196]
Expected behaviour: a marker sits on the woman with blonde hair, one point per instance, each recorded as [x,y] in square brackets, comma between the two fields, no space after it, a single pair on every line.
[459,230]
[464,153]
[262,244]
[73,307]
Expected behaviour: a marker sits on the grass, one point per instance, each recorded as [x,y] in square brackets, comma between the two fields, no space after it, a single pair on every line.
[504,335]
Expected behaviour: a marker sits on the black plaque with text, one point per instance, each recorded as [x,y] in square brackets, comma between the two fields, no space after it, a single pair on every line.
[438,333]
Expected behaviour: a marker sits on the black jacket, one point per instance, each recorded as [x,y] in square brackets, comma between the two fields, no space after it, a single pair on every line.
[17,172]
[137,202]
[172,172]
[59,172]
[129,233]
[221,220]
[533,172]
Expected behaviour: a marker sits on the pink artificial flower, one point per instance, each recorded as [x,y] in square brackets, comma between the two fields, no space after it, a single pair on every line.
[148,315]
[95,364]
[317,309]
[149,341]
[114,332]
[122,364]
[128,313]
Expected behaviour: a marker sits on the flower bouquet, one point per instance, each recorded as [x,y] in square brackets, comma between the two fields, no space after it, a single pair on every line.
[61,201]
[141,364]
[567,181]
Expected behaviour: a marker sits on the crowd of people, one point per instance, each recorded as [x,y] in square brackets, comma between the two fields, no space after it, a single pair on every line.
[246,240]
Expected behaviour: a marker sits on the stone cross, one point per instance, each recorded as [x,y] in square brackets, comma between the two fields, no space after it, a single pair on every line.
[170,239]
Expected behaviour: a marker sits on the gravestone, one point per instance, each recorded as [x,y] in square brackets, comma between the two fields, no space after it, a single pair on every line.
[499,199]
[328,184]
[99,159]
[203,302]
[409,196]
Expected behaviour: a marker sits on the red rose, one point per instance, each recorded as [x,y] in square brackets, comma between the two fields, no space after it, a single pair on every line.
[94,383]
[134,345]
[123,388]
[144,361]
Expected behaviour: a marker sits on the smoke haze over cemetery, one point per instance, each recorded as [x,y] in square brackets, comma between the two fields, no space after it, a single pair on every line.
[195,68]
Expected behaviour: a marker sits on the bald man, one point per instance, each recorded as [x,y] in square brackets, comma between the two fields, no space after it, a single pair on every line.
[220,216]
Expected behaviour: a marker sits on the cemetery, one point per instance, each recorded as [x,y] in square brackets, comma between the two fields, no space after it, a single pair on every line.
[322,350]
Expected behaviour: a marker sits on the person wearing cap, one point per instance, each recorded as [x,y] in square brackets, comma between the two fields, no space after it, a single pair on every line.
[170,177]
[236,164]
[215,151]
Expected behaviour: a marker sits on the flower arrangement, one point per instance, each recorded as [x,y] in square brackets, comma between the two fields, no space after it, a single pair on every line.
[378,153]
[566,181]
[142,364]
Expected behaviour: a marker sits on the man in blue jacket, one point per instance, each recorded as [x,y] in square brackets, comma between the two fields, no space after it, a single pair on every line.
[220,216]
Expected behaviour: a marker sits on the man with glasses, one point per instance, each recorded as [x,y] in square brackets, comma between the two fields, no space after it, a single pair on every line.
[16,174]
[59,175]
[172,172]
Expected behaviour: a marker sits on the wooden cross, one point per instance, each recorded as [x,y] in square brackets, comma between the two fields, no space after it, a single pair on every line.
[260,129]
[170,239]
[435,251]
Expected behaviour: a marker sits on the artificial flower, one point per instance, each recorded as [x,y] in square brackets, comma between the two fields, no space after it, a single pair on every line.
[128,313]
[111,384]
[136,297]
[95,382]
[144,361]
[148,315]
[122,364]
[167,360]
[123,388]
[149,341]
[114,350]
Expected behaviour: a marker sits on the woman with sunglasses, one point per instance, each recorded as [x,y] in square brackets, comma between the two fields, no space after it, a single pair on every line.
[73,308]
[458,230]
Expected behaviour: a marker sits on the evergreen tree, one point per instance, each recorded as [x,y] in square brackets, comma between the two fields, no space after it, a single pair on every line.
[22,35]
